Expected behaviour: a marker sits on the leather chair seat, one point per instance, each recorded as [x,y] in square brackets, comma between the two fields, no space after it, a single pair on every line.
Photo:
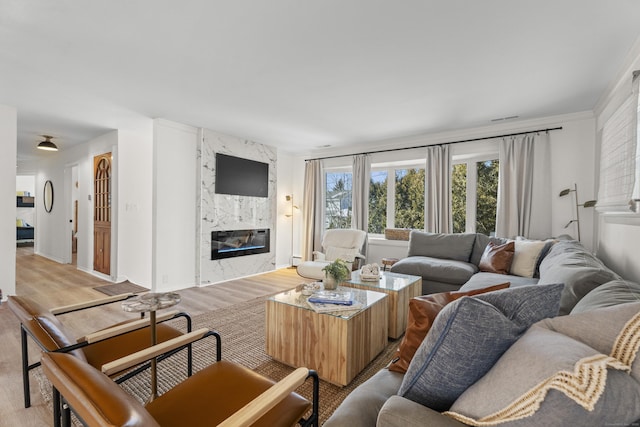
[216,392]
[205,399]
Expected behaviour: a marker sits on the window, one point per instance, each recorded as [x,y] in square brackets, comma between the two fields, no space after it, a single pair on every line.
[620,156]
[409,200]
[378,202]
[338,205]
[474,195]
[396,203]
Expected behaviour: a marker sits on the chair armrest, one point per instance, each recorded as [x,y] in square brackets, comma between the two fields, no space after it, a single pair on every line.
[125,327]
[56,311]
[318,256]
[138,357]
[252,411]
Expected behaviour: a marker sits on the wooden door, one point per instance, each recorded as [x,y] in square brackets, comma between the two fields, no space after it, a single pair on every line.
[102,213]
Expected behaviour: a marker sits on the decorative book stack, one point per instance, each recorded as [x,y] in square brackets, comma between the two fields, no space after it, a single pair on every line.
[329,301]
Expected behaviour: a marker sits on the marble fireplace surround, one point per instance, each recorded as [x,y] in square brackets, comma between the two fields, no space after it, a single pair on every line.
[220,212]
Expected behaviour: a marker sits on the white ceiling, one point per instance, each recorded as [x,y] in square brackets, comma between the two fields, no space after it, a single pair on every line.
[301,74]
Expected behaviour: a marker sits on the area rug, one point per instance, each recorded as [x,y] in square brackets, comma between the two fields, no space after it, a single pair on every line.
[120,288]
[241,327]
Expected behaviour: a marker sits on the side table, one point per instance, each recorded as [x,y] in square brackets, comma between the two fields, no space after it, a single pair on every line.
[151,302]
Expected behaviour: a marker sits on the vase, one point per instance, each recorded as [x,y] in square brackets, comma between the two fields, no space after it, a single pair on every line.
[330,283]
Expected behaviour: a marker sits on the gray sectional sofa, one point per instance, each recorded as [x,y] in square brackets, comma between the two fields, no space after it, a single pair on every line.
[596,308]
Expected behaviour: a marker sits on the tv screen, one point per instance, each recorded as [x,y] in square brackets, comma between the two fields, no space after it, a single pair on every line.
[241,177]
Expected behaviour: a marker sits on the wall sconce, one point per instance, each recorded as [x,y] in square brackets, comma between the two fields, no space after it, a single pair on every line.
[587,204]
[289,198]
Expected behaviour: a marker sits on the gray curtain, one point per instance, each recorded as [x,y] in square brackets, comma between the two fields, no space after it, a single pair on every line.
[360,195]
[312,209]
[437,187]
[515,186]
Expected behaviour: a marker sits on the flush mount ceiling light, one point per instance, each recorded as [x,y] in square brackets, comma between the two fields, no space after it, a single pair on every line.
[47,145]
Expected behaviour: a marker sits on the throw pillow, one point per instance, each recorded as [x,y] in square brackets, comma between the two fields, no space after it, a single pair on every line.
[562,379]
[422,312]
[526,257]
[548,243]
[468,337]
[497,258]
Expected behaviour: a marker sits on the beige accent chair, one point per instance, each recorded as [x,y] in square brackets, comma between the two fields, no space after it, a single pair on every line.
[345,244]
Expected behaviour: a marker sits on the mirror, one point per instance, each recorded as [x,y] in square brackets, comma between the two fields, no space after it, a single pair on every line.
[48,196]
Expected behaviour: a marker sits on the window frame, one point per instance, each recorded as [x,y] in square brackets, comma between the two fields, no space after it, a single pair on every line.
[472,183]
[390,168]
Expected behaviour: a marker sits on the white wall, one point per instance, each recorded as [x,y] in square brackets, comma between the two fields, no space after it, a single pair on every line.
[175,162]
[8,138]
[135,148]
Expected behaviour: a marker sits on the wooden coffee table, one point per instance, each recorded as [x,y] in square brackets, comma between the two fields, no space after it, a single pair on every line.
[337,345]
[400,288]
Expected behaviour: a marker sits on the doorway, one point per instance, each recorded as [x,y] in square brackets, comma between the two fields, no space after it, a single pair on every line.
[102,213]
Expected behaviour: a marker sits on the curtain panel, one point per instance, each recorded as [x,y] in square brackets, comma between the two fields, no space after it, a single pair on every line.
[312,209]
[437,187]
[524,187]
[360,194]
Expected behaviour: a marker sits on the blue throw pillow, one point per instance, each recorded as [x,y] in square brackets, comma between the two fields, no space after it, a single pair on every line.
[468,336]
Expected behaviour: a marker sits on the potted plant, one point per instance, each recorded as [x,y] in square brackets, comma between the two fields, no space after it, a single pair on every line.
[335,273]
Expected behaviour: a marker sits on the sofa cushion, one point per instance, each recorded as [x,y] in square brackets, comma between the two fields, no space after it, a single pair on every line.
[435,269]
[401,412]
[497,258]
[468,337]
[611,293]
[482,280]
[422,312]
[525,257]
[455,246]
[570,376]
[360,408]
[570,263]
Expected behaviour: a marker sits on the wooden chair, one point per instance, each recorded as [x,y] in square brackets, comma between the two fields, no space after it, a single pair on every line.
[222,394]
[97,348]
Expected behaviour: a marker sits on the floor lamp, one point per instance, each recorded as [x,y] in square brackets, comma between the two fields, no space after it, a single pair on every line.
[587,204]
[289,198]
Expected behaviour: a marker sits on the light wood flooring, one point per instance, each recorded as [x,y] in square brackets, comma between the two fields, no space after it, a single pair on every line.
[52,284]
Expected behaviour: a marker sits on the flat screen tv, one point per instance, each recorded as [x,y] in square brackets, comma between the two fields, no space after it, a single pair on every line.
[241,177]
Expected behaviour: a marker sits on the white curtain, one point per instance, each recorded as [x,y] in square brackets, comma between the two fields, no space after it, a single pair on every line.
[523,161]
[437,216]
[360,194]
[312,209]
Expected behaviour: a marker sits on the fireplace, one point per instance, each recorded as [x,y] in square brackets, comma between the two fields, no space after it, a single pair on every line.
[233,243]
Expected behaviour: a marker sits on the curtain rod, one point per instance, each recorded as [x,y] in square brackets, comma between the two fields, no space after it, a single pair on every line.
[443,143]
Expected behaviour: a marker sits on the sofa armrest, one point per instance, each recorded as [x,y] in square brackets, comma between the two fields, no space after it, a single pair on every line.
[318,256]
[400,412]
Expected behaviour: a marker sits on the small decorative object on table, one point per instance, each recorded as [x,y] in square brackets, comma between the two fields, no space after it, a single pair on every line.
[370,272]
[335,273]
[309,288]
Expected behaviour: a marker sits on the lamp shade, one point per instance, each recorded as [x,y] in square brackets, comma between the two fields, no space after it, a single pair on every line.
[47,145]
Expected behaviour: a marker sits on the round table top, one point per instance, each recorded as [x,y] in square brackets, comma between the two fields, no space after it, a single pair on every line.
[151,301]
